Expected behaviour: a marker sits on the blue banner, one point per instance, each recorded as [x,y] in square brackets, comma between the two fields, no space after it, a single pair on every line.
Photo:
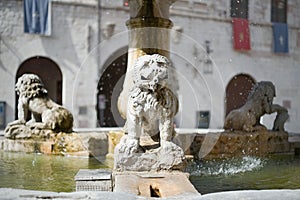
[37,17]
[280,38]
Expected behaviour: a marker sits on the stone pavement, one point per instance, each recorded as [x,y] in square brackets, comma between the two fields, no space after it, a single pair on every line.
[18,194]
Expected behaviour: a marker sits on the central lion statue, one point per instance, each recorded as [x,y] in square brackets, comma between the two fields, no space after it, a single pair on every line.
[259,103]
[151,108]
[45,113]
[151,105]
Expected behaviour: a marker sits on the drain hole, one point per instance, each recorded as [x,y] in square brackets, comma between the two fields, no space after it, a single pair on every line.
[154,191]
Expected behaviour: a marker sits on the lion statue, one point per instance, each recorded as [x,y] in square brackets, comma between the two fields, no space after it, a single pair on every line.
[151,105]
[259,103]
[34,100]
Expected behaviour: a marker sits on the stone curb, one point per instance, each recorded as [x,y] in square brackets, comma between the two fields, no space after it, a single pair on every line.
[20,194]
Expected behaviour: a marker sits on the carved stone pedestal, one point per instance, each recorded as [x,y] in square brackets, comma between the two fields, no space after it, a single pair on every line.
[22,138]
[129,157]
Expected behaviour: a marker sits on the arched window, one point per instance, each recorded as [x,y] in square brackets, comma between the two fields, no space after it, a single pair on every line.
[109,88]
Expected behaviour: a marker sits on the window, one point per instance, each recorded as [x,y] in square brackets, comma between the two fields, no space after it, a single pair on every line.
[239,9]
[82,110]
[278,11]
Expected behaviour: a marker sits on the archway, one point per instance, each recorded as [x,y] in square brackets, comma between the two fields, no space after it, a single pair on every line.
[48,71]
[109,89]
[237,91]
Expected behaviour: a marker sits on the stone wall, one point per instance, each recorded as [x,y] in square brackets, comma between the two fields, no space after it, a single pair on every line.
[67,46]
[75,36]
[211,21]
[72,45]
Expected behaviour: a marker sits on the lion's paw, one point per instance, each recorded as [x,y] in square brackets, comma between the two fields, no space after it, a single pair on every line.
[129,145]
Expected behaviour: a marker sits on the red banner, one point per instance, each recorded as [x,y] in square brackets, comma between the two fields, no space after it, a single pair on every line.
[241,34]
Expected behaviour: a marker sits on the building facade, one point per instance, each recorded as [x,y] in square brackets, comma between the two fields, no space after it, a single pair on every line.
[83,61]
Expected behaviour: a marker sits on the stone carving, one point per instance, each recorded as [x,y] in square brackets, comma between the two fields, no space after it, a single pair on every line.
[151,108]
[45,113]
[259,103]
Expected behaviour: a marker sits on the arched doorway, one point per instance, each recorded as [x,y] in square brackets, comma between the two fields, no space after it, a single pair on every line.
[237,91]
[48,71]
[109,88]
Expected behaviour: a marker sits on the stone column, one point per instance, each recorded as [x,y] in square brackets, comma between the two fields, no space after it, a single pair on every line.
[149,33]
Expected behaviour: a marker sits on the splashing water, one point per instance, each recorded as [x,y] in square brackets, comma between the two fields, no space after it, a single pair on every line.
[225,167]
[34,159]
[247,173]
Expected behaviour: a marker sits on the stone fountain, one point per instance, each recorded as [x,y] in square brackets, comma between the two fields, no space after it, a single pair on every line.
[146,161]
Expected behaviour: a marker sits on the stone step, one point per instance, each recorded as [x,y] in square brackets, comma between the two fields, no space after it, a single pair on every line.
[93,180]
[143,184]
[154,184]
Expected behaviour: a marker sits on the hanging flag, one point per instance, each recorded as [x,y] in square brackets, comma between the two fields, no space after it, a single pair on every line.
[37,16]
[280,38]
[241,34]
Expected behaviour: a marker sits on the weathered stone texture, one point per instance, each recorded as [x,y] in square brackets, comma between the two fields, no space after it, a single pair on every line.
[238,143]
[37,113]
[128,158]
[11,19]
[161,184]
[151,107]
[54,143]
[259,102]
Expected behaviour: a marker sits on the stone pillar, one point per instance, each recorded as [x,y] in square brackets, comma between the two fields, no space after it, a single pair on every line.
[149,33]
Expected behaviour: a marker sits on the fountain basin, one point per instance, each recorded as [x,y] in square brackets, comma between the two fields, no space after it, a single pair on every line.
[197,143]
[57,173]
[227,144]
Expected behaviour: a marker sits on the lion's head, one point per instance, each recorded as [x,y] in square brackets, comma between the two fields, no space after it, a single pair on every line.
[263,93]
[151,71]
[30,86]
